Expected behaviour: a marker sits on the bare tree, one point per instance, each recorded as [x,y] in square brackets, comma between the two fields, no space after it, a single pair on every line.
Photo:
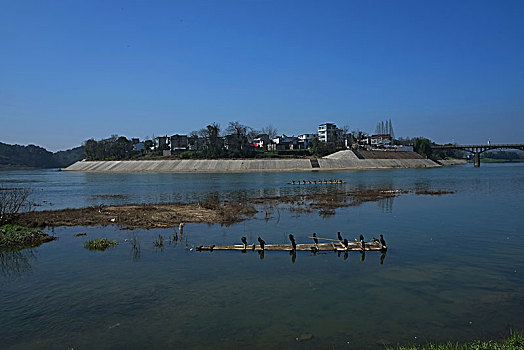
[271,131]
[238,135]
[12,201]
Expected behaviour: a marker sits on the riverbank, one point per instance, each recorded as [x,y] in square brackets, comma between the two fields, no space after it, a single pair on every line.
[341,160]
[171,215]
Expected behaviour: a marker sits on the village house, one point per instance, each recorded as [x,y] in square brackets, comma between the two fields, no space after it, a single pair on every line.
[195,143]
[138,146]
[381,140]
[179,143]
[305,141]
[284,142]
[162,143]
[261,141]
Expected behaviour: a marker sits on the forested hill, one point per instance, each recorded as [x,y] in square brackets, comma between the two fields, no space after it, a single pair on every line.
[16,156]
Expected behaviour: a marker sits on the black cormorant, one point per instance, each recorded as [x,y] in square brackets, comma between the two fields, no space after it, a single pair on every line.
[382,241]
[262,242]
[293,243]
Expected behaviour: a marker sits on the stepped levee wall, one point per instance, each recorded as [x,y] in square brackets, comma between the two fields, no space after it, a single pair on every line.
[342,161]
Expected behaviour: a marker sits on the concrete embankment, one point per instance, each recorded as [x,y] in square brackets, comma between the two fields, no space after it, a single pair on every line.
[335,161]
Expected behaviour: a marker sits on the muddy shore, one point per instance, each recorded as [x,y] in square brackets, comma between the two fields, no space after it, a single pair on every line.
[171,215]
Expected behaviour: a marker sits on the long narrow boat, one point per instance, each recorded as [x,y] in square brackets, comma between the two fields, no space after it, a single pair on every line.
[334,246]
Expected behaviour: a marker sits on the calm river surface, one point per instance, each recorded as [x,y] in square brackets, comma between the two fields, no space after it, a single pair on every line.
[454,269]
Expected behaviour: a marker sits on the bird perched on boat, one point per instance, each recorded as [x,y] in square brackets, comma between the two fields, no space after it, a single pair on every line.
[262,242]
[244,242]
[383,242]
[362,243]
[293,243]
[346,243]
[315,239]
[339,236]
[375,240]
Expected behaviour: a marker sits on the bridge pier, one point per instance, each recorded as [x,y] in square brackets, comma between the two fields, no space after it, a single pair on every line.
[476,159]
[478,149]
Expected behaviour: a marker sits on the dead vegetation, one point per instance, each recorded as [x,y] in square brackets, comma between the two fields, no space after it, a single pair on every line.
[140,216]
[208,211]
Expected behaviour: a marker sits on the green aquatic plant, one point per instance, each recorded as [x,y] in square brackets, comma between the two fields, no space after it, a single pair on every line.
[514,341]
[99,244]
[16,237]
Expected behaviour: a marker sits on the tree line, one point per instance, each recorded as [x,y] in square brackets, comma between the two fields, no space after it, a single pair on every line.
[31,156]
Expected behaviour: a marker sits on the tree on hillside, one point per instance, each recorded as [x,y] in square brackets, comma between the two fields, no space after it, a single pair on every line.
[113,148]
[422,146]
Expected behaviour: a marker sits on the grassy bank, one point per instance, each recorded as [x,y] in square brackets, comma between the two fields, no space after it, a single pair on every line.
[15,237]
[514,341]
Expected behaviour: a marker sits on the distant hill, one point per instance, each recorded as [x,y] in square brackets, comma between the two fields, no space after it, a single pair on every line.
[31,156]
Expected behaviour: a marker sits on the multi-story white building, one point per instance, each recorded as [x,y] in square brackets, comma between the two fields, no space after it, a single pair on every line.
[329,133]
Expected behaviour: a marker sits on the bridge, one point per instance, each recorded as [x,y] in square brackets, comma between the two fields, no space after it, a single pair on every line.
[478,149]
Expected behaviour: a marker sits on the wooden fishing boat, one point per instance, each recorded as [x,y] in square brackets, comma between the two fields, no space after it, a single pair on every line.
[332,245]
[316,182]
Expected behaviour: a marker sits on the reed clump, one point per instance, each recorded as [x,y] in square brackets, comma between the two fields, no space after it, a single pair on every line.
[99,244]
[159,242]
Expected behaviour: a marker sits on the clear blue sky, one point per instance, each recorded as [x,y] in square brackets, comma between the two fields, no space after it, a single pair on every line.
[74,70]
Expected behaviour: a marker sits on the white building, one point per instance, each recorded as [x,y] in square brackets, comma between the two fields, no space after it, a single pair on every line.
[329,133]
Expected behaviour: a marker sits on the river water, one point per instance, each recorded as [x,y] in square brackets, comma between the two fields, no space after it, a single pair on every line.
[454,269]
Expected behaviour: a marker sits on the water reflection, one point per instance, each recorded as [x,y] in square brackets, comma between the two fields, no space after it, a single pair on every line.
[135,247]
[386,204]
[16,262]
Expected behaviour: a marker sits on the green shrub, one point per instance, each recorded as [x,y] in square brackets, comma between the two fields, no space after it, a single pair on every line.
[99,244]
